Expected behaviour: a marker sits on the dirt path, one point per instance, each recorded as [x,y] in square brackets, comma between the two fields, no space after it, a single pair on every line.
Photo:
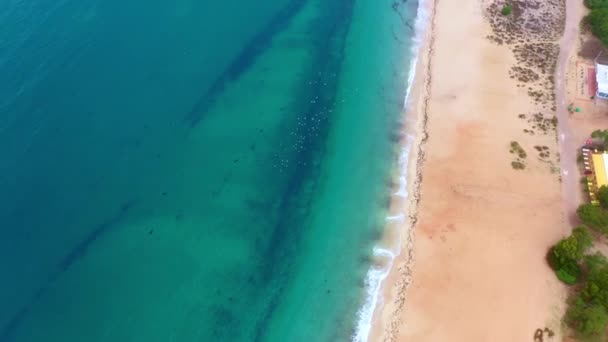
[568,146]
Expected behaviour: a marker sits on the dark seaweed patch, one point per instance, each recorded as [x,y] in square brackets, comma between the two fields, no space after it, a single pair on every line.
[243,61]
[74,255]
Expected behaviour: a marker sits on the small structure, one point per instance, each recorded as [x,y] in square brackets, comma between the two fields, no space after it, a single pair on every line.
[601,76]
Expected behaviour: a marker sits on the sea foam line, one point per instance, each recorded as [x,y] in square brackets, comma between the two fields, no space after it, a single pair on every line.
[376,275]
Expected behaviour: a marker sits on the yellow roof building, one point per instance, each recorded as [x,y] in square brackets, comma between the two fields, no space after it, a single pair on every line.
[600,165]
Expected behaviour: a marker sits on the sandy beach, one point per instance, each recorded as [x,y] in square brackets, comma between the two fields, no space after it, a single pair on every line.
[485,197]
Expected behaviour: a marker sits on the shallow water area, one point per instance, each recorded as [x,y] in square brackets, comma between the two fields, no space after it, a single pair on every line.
[169,175]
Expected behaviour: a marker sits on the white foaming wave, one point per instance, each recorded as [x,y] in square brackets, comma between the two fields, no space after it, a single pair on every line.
[404,158]
[423,16]
[384,252]
[373,284]
[376,275]
[399,217]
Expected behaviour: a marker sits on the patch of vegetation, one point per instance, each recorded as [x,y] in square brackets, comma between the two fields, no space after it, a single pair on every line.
[516,148]
[525,75]
[506,10]
[595,262]
[565,256]
[517,165]
[588,319]
[594,4]
[594,217]
[543,151]
[601,135]
[602,196]
[543,124]
[587,311]
[598,23]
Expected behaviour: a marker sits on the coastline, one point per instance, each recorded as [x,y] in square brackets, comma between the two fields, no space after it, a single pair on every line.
[387,315]
[392,322]
[406,192]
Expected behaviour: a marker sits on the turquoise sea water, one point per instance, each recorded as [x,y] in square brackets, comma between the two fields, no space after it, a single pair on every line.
[195,170]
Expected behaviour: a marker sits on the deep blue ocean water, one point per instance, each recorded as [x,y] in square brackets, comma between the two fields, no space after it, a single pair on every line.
[194,170]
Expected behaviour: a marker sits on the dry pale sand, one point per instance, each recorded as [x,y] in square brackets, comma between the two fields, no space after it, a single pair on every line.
[481,228]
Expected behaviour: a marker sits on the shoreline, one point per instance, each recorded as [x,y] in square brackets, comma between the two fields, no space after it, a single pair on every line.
[416,112]
[405,196]
[388,321]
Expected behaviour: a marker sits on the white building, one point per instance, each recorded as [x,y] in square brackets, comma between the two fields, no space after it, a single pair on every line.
[601,77]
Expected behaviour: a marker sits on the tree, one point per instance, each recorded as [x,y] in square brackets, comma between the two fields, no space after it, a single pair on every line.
[595,263]
[566,254]
[563,260]
[598,21]
[567,249]
[594,4]
[602,195]
[588,320]
[601,134]
[583,238]
[596,288]
[568,273]
[593,217]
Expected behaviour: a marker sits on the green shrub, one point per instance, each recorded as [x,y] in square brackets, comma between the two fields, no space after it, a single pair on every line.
[598,22]
[593,217]
[517,165]
[507,9]
[583,237]
[570,250]
[567,252]
[594,4]
[587,320]
[596,286]
[566,270]
[600,134]
[595,263]
[602,196]
[566,277]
